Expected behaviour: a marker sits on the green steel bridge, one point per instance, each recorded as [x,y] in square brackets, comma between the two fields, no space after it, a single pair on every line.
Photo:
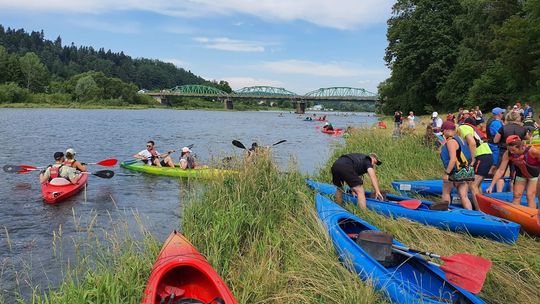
[270,93]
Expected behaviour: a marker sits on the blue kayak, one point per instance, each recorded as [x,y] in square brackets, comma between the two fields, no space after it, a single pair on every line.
[434,186]
[475,223]
[410,280]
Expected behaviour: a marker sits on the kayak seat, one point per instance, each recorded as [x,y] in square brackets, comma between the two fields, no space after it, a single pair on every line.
[59,181]
[165,291]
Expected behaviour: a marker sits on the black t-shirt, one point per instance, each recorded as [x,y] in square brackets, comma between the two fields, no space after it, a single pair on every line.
[397,118]
[511,129]
[360,162]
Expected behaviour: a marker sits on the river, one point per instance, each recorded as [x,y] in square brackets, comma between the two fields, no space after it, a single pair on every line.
[31,136]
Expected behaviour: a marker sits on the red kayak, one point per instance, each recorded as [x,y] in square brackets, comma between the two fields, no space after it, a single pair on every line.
[53,193]
[182,275]
[332,132]
[527,217]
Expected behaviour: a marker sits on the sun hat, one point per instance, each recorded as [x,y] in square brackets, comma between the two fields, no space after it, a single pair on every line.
[448,125]
[465,112]
[512,138]
[71,151]
[58,155]
[186,150]
[434,114]
[379,162]
[497,111]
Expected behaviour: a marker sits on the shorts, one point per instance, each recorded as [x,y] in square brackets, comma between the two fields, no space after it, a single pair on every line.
[483,164]
[524,179]
[162,162]
[343,172]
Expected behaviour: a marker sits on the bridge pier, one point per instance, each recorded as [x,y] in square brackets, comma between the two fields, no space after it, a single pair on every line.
[228,103]
[300,106]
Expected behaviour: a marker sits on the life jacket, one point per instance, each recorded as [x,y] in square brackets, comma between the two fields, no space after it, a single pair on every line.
[529,121]
[382,125]
[69,162]
[463,154]
[479,136]
[528,165]
[54,172]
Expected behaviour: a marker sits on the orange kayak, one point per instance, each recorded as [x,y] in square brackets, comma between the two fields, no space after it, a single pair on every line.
[53,194]
[527,217]
[182,275]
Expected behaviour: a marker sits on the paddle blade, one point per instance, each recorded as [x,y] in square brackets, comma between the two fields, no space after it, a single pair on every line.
[238,144]
[412,204]
[108,162]
[466,271]
[279,142]
[104,173]
[28,167]
[13,168]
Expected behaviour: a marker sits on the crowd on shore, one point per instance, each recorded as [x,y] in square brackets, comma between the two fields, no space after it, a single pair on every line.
[473,148]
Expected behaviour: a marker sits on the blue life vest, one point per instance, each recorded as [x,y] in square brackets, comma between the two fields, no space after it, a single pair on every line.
[463,155]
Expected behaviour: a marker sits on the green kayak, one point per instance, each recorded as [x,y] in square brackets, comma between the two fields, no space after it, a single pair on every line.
[203,173]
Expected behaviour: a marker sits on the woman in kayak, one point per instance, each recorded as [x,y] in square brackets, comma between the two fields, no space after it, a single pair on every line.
[188,161]
[456,158]
[526,160]
[72,162]
[58,170]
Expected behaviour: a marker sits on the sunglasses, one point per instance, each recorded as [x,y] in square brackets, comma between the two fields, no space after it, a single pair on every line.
[149,146]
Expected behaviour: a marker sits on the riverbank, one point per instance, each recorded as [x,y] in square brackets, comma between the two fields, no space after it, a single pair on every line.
[261,233]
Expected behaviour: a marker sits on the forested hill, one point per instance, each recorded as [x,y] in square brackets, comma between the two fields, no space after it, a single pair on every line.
[445,54]
[63,62]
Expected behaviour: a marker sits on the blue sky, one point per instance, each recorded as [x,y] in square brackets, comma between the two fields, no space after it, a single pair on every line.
[300,45]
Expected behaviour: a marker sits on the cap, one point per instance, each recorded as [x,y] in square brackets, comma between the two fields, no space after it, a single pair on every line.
[185,150]
[71,151]
[448,125]
[379,162]
[58,155]
[435,114]
[326,123]
[497,111]
[465,112]
[512,138]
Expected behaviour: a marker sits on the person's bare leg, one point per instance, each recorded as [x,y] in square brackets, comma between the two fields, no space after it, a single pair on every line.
[531,193]
[476,189]
[447,189]
[463,191]
[360,196]
[339,196]
[519,187]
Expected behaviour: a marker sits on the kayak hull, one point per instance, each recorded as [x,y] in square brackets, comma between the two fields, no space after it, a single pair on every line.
[454,219]
[527,217]
[332,132]
[53,194]
[181,272]
[434,186]
[410,281]
[508,196]
[203,173]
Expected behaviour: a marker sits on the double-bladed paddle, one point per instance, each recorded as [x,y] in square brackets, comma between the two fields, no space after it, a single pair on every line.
[240,145]
[24,169]
[464,270]
[27,168]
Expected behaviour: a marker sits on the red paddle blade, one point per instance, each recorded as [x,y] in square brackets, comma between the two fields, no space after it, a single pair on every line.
[466,271]
[27,167]
[412,204]
[108,162]
[24,171]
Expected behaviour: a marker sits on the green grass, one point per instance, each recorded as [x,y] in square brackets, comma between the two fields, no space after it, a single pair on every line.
[261,232]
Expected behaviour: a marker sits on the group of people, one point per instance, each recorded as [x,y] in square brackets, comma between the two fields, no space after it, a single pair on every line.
[469,154]
[151,156]
[65,167]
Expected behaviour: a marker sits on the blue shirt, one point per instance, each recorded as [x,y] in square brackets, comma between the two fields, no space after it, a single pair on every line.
[526,111]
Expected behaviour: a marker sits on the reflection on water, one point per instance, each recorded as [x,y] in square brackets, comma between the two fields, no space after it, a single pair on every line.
[31,136]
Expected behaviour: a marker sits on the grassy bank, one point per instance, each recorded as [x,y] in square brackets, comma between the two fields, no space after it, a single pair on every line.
[261,233]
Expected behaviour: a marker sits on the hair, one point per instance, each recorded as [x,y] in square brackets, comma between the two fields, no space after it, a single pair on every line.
[517,143]
[151,142]
[70,156]
[513,116]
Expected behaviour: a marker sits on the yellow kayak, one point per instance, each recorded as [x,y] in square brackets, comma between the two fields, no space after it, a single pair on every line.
[203,173]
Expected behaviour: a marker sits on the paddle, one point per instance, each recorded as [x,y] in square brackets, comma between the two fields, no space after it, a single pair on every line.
[279,142]
[101,173]
[464,270]
[13,168]
[238,144]
[412,204]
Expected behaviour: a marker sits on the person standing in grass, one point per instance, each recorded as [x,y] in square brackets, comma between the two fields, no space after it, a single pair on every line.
[411,120]
[456,158]
[349,169]
[481,157]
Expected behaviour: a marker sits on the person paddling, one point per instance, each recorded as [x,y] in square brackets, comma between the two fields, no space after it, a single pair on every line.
[349,169]
[187,160]
[151,156]
[328,127]
[59,170]
[72,162]
[526,160]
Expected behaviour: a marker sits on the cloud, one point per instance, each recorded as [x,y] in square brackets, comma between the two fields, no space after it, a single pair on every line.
[339,14]
[319,69]
[242,82]
[232,45]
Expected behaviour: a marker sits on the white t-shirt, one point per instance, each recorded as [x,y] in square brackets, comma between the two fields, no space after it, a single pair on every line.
[147,154]
[411,120]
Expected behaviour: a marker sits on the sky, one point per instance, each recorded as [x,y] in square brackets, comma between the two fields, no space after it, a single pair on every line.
[299,45]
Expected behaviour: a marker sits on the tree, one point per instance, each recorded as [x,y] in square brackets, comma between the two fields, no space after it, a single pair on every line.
[35,74]
[87,89]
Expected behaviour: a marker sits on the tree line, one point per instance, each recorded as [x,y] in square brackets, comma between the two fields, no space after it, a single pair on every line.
[34,69]
[445,54]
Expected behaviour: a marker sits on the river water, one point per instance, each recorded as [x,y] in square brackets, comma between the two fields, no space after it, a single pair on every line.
[31,136]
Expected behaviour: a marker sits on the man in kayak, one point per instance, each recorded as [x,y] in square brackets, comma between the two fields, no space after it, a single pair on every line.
[349,169]
[328,127]
[456,159]
[526,160]
[72,162]
[151,156]
[187,160]
[58,170]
